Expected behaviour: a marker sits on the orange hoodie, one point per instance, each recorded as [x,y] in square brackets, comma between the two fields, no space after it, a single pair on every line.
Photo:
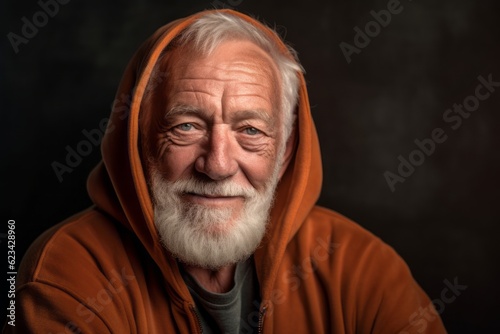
[105,271]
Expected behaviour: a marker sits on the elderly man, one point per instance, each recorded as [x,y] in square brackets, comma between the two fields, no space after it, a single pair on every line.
[205,217]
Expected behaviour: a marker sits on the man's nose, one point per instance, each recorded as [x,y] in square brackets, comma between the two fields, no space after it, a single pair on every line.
[218,161]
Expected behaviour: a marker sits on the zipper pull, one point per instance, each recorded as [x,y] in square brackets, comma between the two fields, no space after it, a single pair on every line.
[262,313]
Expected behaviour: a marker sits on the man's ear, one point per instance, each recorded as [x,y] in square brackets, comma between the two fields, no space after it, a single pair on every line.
[289,149]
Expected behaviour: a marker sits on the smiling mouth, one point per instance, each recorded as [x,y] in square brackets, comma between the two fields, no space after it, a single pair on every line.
[211,199]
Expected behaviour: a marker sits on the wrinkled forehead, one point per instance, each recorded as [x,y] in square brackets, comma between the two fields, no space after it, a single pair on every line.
[232,59]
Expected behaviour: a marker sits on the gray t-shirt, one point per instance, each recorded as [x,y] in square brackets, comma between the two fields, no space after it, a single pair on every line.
[236,311]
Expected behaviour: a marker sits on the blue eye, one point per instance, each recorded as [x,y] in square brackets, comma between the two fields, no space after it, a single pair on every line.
[251,131]
[185,126]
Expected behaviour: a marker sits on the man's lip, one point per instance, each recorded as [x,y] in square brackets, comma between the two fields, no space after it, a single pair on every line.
[210,195]
[213,200]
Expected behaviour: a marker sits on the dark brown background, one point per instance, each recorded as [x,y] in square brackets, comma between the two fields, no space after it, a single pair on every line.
[443,220]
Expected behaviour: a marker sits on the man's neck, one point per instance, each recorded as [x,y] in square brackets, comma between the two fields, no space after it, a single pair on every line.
[219,281]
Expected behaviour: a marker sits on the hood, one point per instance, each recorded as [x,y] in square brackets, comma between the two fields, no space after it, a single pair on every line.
[118,185]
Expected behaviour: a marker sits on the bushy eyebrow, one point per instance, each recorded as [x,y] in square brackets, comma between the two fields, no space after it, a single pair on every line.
[241,115]
[182,109]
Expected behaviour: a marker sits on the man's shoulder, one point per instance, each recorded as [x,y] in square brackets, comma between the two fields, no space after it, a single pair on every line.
[80,243]
[349,241]
[357,275]
[325,221]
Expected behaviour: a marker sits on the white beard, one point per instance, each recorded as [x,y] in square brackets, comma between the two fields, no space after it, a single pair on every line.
[210,237]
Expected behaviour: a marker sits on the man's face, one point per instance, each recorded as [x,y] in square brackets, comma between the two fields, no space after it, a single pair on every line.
[218,145]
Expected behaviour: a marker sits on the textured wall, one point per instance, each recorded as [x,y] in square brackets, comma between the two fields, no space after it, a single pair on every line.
[373,94]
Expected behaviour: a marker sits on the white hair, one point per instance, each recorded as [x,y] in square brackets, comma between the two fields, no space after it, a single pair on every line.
[212,29]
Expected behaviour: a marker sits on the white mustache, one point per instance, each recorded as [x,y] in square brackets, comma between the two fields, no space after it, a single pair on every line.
[212,189]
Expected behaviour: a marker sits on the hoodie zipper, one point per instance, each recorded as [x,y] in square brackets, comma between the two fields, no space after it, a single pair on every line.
[198,320]
[262,313]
